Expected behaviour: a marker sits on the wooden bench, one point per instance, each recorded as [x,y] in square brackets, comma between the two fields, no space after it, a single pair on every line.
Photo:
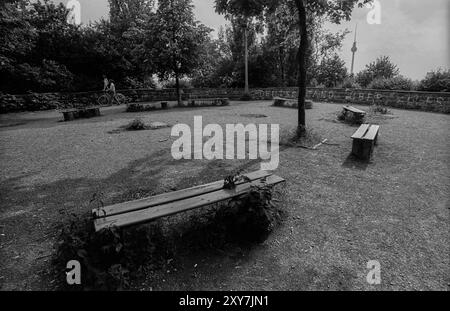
[143,107]
[291,103]
[208,102]
[364,140]
[357,113]
[88,112]
[151,208]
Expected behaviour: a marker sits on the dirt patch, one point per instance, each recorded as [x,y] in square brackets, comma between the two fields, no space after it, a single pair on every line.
[256,116]
[139,125]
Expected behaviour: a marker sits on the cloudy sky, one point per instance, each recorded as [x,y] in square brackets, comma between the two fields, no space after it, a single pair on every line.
[414,33]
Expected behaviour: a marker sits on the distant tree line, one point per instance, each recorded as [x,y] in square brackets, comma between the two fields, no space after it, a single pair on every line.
[41,52]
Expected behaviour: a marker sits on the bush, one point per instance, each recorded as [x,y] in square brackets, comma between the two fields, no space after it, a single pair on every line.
[171,84]
[253,216]
[381,68]
[350,83]
[436,81]
[379,109]
[396,83]
[136,125]
[133,83]
[110,257]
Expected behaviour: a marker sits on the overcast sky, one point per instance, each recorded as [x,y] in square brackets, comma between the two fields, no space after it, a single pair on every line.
[414,33]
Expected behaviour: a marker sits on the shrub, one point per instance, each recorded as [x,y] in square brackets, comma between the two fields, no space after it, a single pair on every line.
[253,215]
[436,81]
[379,109]
[382,67]
[136,125]
[396,83]
[171,84]
[350,83]
[133,83]
[331,71]
[110,257]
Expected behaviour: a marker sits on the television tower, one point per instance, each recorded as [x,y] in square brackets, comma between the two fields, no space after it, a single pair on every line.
[354,49]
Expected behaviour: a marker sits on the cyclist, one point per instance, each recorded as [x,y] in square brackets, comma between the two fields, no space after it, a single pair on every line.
[111,91]
[105,83]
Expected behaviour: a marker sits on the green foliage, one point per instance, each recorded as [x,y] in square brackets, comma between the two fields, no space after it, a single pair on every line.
[349,83]
[176,39]
[377,109]
[436,81]
[230,181]
[382,67]
[42,52]
[395,83]
[184,84]
[331,71]
[136,125]
[252,216]
[108,258]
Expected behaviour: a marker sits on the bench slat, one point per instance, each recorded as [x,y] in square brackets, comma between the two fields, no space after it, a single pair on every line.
[354,110]
[145,215]
[169,197]
[359,134]
[372,132]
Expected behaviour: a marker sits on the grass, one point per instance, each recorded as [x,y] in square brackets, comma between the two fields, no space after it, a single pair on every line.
[339,213]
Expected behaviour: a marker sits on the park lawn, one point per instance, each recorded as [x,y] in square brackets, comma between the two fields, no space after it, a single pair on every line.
[339,214]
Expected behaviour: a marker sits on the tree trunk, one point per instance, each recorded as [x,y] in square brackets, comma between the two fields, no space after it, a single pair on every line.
[302,66]
[281,57]
[246,90]
[177,85]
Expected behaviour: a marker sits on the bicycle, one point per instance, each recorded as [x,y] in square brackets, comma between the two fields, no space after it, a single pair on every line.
[104,99]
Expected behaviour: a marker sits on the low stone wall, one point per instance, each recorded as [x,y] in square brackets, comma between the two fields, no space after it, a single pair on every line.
[424,101]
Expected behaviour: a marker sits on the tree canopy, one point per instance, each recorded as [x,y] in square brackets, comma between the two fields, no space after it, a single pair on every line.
[140,42]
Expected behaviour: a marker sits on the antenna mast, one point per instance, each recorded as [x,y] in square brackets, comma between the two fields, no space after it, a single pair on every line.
[354,49]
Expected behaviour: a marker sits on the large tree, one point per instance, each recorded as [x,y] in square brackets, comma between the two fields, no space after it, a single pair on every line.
[241,13]
[334,10]
[381,68]
[331,71]
[177,40]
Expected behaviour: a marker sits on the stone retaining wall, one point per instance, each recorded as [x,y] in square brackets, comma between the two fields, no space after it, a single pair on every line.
[424,101]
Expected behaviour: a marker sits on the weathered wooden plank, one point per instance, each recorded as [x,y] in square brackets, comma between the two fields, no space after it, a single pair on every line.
[362,148]
[148,214]
[359,134]
[354,110]
[372,132]
[168,197]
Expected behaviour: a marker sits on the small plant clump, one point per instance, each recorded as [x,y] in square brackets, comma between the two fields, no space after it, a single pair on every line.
[230,181]
[379,109]
[136,125]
